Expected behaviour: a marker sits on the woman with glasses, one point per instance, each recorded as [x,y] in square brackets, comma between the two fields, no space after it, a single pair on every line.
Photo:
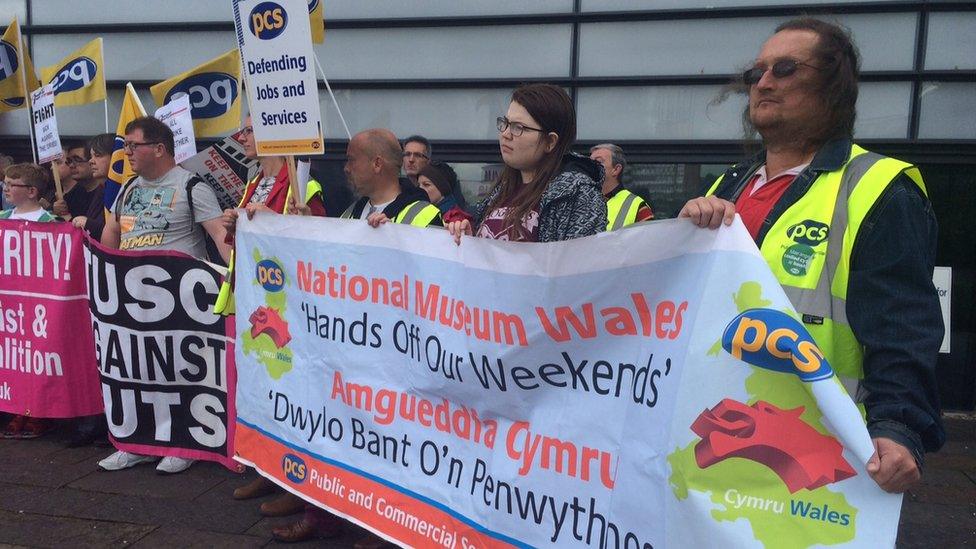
[544,193]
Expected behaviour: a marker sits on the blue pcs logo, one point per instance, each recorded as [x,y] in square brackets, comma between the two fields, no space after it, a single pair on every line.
[211,93]
[294,468]
[775,341]
[8,60]
[76,74]
[270,275]
[268,20]
[312,4]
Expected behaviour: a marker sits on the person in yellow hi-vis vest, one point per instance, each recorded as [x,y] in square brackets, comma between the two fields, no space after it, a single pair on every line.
[850,235]
[623,206]
[269,190]
[373,162]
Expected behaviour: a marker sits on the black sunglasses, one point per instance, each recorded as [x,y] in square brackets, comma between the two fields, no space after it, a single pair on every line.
[780,69]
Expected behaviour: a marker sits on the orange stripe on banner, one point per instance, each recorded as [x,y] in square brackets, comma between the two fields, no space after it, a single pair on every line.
[374,505]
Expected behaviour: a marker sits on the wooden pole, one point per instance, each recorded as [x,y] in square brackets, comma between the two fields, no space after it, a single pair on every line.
[57,180]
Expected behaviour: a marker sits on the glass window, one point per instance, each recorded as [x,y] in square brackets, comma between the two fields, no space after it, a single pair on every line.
[139,56]
[357,9]
[89,120]
[724,46]
[948,111]
[951,41]
[465,52]
[436,114]
[658,112]
[12,8]
[73,12]
[882,110]
[640,5]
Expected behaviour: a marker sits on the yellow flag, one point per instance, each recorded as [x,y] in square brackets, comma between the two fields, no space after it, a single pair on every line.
[315,18]
[13,54]
[79,78]
[119,170]
[215,94]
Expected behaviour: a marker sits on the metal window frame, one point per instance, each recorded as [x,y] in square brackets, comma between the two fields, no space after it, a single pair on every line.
[910,147]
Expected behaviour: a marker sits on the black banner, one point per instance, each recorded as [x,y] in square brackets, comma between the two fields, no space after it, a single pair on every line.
[163,354]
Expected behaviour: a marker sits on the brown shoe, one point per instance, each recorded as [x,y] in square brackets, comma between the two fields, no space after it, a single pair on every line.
[300,530]
[282,506]
[372,541]
[255,489]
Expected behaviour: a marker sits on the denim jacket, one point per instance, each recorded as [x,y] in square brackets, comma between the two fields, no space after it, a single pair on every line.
[892,304]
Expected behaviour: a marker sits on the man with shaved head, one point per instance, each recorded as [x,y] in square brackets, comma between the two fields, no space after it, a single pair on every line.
[373,161]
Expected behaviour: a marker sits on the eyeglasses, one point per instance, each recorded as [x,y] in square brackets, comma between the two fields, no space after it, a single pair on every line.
[415,155]
[517,128]
[75,160]
[780,69]
[133,145]
[247,130]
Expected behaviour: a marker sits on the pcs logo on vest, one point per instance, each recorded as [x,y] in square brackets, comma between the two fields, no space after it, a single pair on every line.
[268,20]
[270,275]
[294,468]
[809,232]
[807,235]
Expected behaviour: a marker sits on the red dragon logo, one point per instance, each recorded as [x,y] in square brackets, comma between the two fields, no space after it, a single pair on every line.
[265,320]
[777,438]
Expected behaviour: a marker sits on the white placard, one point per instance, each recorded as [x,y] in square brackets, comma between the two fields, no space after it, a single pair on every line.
[176,115]
[304,174]
[275,41]
[942,277]
[45,124]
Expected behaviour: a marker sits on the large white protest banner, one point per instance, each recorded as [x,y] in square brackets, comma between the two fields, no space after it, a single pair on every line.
[45,124]
[275,41]
[176,115]
[650,387]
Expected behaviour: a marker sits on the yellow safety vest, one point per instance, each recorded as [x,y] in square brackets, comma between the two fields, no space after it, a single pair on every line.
[622,209]
[809,250]
[225,299]
[419,213]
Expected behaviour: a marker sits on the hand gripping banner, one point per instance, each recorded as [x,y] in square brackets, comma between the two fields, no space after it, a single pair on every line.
[165,359]
[650,387]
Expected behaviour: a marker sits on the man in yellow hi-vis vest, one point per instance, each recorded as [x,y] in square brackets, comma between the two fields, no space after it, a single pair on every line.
[373,161]
[623,206]
[850,235]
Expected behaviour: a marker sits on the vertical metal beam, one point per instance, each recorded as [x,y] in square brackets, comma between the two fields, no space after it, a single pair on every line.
[921,39]
[574,50]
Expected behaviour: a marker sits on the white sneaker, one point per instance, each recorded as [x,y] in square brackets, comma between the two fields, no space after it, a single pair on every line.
[170,465]
[123,460]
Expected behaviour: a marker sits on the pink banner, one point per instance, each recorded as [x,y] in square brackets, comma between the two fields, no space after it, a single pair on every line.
[47,350]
